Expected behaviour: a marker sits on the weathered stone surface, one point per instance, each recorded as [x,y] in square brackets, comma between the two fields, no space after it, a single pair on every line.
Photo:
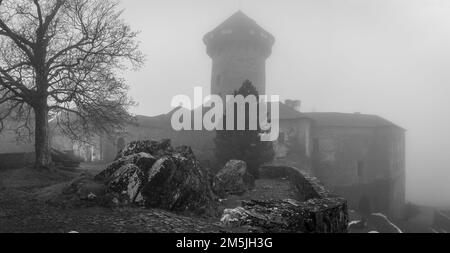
[178,183]
[158,176]
[143,160]
[233,179]
[127,183]
[288,216]
[315,210]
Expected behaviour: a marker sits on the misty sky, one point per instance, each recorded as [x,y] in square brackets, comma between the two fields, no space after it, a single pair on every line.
[390,58]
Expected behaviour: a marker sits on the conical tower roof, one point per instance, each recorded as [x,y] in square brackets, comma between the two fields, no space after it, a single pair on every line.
[239,22]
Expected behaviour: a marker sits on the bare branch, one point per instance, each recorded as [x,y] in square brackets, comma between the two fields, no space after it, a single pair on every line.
[39,11]
[20,41]
[60,58]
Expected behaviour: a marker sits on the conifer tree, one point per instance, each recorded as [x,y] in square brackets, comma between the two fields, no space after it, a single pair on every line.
[243,145]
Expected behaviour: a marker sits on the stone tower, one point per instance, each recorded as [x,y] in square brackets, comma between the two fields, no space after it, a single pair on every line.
[239,48]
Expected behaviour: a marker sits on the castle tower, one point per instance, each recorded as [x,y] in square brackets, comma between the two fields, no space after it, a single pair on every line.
[239,48]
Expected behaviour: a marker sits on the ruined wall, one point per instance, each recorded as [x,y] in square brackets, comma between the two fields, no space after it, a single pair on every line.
[357,162]
[318,210]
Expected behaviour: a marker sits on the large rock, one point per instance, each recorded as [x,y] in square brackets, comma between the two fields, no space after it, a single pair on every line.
[158,176]
[233,179]
[142,160]
[178,183]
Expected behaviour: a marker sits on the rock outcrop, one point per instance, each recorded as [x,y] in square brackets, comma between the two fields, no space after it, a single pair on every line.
[156,175]
[233,179]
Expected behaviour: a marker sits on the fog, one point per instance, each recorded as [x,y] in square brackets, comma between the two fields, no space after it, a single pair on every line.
[390,58]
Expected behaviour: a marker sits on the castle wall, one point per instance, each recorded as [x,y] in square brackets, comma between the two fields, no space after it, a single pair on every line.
[357,162]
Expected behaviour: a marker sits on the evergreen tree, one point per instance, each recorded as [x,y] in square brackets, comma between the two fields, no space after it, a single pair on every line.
[243,145]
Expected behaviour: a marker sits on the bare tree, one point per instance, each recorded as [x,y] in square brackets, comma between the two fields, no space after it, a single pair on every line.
[59,59]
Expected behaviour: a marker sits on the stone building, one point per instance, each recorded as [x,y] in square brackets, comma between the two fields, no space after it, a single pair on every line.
[358,156]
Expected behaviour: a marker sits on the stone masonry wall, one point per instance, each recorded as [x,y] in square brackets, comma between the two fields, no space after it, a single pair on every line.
[315,210]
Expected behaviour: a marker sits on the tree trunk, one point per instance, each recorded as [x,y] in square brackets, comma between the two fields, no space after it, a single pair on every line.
[42,141]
